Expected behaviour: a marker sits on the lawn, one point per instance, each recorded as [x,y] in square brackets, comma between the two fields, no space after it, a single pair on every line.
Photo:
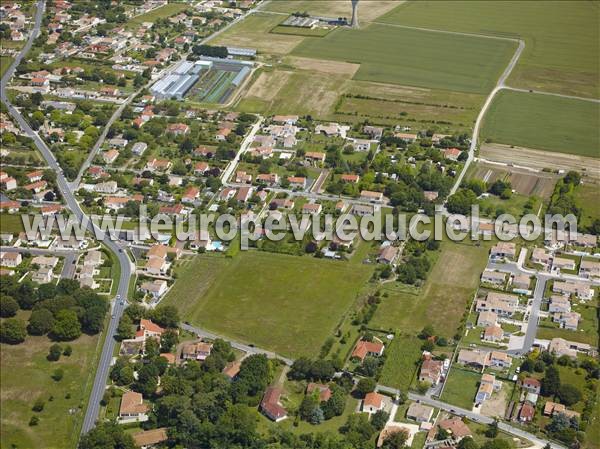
[11,223]
[402,359]
[544,122]
[586,195]
[461,387]
[414,57]
[284,303]
[25,377]
[587,331]
[164,11]
[558,56]
[442,300]
[5,62]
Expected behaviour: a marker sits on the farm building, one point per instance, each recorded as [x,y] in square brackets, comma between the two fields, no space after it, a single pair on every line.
[180,81]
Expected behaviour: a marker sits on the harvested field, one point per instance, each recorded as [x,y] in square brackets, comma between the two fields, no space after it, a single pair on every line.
[540,159]
[322,66]
[268,84]
[523,181]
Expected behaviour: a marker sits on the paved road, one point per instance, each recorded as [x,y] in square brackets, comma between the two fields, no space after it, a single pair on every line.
[116,247]
[237,345]
[243,148]
[538,442]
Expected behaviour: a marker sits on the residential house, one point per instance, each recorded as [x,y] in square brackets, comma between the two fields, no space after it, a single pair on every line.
[487,386]
[373,402]
[269,179]
[332,129]
[196,351]
[351,178]
[10,206]
[37,186]
[110,156]
[315,156]
[531,385]
[200,168]
[43,275]
[541,256]
[500,360]
[241,177]
[451,153]
[148,439]
[8,182]
[106,187]
[581,289]
[297,182]
[282,203]
[374,132]
[11,260]
[559,304]
[521,282]
[244,194]
[271,406]
[149,329]
[560,347]
[139,148]
[493,333]
[568,320]
[526,413]
[502,303]
[190,195]
[586,240]
[155,288]
[493,277]
[589,269]
[388,254]
[504,250]
[554,408]
[312,208]
[179,129]
[222,134]
[232,369]
[161,165]
[419,412]
[474,357]
[487,318]
[456,428]
[361,145]
[367,348]
[132,408]
[562,263]
[431,370]
[367,195]
[362,210]
[406,137]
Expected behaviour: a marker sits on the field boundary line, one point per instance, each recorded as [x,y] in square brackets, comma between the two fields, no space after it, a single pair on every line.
[554,94]
[458,33]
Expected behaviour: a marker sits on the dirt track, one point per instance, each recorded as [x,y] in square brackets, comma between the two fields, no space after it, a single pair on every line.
[540,159]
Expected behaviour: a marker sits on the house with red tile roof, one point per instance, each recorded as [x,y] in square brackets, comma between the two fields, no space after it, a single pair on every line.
[364,348]
[271,406]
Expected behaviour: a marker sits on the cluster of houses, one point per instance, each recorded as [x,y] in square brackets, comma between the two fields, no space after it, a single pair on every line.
[89,268]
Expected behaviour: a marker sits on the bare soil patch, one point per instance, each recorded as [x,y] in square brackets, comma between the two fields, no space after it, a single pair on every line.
[539,159]
[324,66]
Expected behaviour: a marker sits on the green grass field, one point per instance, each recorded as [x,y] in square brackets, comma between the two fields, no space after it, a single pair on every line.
[461,387]
[400,369]
[284,303]
[415,58]
[544,122]
[11,223]
[160,13]
[299,31]
[442,300]
[559,55]
[5,62]
[25,377]
[586,196]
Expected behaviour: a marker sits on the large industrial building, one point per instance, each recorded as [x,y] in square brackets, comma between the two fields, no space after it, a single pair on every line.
[177,83]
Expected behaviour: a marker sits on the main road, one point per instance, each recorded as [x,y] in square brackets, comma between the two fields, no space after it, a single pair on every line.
[115,247]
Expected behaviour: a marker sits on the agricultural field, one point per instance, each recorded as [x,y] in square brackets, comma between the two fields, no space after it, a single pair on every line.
[275,294]
[442,300]
[544,122]
[538,159]
[402,360]
[217,85]
[367,11]
[254,32]
[461,387]
[159,13]
[24,382]
[558,56]
[300,31]
[326,90]
[523,182]
[419,58]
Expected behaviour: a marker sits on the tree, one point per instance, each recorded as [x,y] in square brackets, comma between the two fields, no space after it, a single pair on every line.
[8,306]
[34,421]
[396,440]
[54,353]
[379,419]
[125,328]
[168,340]
[427,332]
[66,327]
[38,405]
[569,394]
[309,403]
[165,316]
[12,331]
[365,385]
[467,443]
[461,201]
[40,322]
[58,374]
[107,435]
[550,382]
[492,430]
